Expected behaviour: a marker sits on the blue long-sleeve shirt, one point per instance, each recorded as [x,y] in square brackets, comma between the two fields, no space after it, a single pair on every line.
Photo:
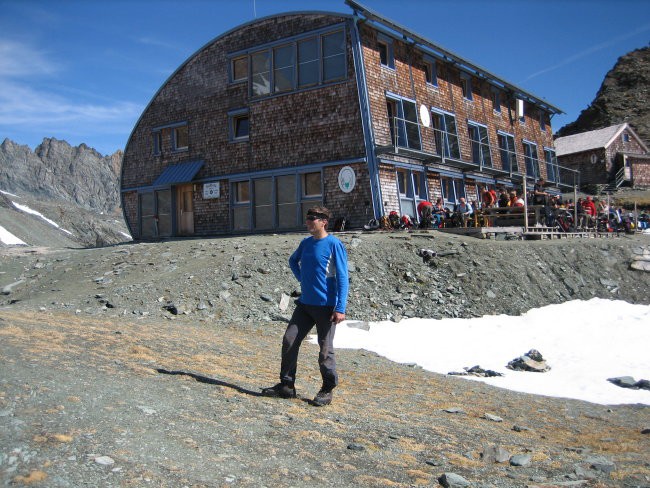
[321,266]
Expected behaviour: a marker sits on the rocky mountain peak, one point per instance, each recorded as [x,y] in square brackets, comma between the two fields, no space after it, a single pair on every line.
[624,96]
[56,170]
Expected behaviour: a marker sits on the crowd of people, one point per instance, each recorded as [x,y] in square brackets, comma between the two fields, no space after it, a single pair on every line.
[590,212]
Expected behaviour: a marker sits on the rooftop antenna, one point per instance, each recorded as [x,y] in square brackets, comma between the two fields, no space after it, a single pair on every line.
[254,10]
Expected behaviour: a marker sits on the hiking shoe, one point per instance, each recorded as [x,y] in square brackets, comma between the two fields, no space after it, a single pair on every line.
[322,398]
[280,391]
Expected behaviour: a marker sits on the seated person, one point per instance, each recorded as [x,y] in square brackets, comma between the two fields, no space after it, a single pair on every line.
[503,198]
[463,211]
[590,211]
[516,200]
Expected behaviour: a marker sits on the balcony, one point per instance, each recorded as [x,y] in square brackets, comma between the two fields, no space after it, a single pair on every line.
[439,149]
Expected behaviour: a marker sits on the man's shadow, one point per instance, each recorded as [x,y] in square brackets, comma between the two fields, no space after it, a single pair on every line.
[209,381]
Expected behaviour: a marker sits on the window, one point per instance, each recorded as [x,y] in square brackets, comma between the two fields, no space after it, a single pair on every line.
[478,136]
[241,191]
[403,122]
[530,157]
[311,185]
[453,189]
[157,142]
[430,72]
[308,62]
[239,69]
[496,101]
[181,138]
[334,56]
[466,85]
[284,60]
[542,120]
[299,64]
[239,125]
[411,189]
[508,154]
[446,137]
[241,214]
[626,137]
[260,73]
[385,46]
[552,169]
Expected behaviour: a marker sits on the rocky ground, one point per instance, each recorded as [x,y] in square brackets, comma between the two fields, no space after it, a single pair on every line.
[140,364]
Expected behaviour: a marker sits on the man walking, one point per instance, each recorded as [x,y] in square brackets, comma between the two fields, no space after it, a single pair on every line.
[321,265]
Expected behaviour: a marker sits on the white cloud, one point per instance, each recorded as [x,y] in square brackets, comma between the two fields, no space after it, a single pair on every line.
[18,59]
[26,106]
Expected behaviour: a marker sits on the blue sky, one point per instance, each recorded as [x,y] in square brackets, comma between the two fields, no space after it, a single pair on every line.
[84,71]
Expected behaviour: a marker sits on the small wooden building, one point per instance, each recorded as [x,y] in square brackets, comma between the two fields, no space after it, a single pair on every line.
[612,156]
[351,111]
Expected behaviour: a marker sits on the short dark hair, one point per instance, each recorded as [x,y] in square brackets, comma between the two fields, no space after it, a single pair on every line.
[320,212]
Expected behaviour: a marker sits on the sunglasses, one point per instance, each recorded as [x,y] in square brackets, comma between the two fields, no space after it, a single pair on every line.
[311,218]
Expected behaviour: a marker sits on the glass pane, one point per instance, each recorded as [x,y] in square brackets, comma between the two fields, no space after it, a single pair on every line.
[264,217]
[311,184]
[148,225]
[241,218]
[180,137]
[308,50]
[241,127]
[333,56]
[165,225]
[241,192]
[334,68]
[408,207]
[263,191]
[412,129]
[240,68]
[284,57]
[308,73]
[286,189]
[333,44]
[287,215]
[147,204]
[308,62]
[260,69]
[485,146]
[164,201]
[283,79]
[260,62]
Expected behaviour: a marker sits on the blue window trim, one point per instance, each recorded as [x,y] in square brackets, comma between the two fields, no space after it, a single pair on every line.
[171,125]
[390,53]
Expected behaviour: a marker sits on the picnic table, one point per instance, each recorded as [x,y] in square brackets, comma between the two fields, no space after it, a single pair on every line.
[512,216]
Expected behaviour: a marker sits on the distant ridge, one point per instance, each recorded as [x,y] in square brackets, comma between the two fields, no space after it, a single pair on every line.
[56,170]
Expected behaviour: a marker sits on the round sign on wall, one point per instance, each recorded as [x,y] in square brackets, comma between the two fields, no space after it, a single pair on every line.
[347,179]
[425,117]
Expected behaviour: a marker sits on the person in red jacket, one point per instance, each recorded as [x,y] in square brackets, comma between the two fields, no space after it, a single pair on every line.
[590,211]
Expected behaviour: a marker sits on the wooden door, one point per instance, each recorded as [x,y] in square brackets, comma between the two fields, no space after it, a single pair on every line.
[185,198]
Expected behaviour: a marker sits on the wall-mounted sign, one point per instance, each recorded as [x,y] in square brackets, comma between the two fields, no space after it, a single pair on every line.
[347,179]
[211,190]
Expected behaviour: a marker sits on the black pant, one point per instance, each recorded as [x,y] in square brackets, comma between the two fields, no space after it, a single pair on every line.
[303,319]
